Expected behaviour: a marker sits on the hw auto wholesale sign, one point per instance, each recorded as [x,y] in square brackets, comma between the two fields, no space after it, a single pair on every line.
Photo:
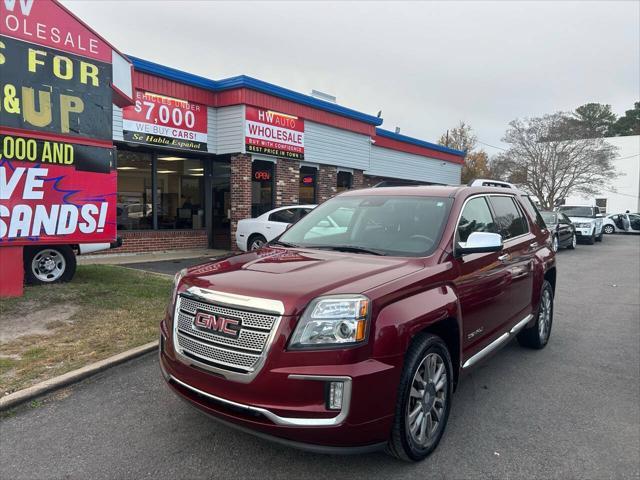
[165,121]
[273,133]
[57,176]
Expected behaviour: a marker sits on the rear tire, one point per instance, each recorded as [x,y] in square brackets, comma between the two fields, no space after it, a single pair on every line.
[537,336]
[49,264]
[424,399]
[256,241]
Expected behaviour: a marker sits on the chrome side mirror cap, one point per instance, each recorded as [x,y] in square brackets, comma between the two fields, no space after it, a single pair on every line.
[480,242]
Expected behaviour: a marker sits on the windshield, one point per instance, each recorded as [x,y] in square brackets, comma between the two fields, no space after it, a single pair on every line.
[383,225]
[577,211]
[549,217]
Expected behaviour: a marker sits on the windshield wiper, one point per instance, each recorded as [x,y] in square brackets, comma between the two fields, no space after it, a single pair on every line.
[284,244]
[347,248]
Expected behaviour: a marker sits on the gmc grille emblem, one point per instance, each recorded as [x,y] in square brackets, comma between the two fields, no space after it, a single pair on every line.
[229,327]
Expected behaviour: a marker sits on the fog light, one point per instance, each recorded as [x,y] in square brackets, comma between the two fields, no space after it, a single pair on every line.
[334,400]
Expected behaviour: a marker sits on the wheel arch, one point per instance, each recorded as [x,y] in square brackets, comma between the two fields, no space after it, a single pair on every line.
[435,311]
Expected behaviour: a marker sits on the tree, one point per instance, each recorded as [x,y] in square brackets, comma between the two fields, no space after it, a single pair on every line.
[591,120]
[549,167]
[629,124]
[476,163]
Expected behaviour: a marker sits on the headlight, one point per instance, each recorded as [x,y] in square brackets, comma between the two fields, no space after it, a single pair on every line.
[584,225]
[332,321]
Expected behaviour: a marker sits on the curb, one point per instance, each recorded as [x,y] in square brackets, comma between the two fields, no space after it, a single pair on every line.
[21,396]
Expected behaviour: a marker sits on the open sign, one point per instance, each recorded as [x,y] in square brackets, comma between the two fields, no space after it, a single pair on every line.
[262,175]
[307,180]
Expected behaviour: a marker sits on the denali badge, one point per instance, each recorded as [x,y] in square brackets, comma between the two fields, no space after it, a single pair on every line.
[229,327]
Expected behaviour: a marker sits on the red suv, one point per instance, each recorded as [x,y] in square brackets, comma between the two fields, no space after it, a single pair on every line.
[350,331]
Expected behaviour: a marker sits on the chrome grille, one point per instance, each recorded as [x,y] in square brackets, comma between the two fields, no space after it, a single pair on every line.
[243,353]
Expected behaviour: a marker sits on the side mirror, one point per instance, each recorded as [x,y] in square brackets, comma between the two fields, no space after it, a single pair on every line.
[480,242]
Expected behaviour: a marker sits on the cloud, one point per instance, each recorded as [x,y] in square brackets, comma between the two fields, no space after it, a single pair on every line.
[427,65]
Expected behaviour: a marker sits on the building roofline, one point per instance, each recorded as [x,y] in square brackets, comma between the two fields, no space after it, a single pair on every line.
[415,141]
[243,81]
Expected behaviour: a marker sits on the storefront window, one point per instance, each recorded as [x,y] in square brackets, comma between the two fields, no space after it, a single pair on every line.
[345,181]
[134,191]
[180,190]
[261,187]
[307,193]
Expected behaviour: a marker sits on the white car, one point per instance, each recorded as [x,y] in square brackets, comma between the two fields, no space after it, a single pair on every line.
[621,223]
[253,233]
[587,220]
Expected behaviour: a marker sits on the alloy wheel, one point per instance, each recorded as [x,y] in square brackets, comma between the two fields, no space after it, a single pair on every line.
[608,229]
[554,244]
[48,265]
[257,243]
[574,241]
[544,316]
[427,400]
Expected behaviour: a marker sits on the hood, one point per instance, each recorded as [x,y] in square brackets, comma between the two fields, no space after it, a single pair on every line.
[296,276]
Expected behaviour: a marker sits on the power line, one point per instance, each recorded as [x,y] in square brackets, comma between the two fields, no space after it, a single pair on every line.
[492,146]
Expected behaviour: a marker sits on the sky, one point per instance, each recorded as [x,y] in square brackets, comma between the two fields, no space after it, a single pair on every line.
[426,65]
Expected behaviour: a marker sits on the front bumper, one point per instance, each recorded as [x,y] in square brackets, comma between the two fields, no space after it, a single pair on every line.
[288,404]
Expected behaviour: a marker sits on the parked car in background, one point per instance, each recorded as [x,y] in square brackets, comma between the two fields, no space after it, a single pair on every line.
[621,223]
[587,221]
[354,340]
[562,230]
[253,233]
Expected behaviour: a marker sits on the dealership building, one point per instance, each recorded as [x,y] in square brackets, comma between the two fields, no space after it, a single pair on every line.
[208,153]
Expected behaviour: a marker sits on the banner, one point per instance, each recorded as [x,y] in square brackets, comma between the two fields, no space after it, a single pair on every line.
[166,121]
[58,180]
[44,91]
[53,190]
[273,133]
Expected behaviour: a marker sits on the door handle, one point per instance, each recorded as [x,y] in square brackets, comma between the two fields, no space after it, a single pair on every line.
[504,258]
[533,245]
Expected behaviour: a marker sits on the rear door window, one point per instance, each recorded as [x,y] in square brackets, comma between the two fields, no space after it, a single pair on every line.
[509,219]
[288,215]
[476,217]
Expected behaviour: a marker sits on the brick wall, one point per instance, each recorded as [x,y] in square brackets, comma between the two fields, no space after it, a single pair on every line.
[240,185]
[358,180]
[159,240]
[287,182]
[327,183]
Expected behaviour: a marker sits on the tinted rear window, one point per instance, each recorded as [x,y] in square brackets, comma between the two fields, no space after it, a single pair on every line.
[508,217]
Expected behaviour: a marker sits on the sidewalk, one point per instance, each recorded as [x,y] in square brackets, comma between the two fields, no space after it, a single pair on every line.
[167,255]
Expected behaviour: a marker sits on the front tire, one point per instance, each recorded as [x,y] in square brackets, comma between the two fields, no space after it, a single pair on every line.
[592,239]
[49,264]
[574,242]
[599,237]
[608,229]
[555,245]
[424,399]
[537,336]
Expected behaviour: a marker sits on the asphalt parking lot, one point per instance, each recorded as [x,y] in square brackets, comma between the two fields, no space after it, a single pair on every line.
[569,411]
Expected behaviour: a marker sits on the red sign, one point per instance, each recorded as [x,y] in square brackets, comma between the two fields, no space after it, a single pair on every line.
[53,192]
[262,175]
[166,121]
[273,133]
[308,180]
[47,23]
